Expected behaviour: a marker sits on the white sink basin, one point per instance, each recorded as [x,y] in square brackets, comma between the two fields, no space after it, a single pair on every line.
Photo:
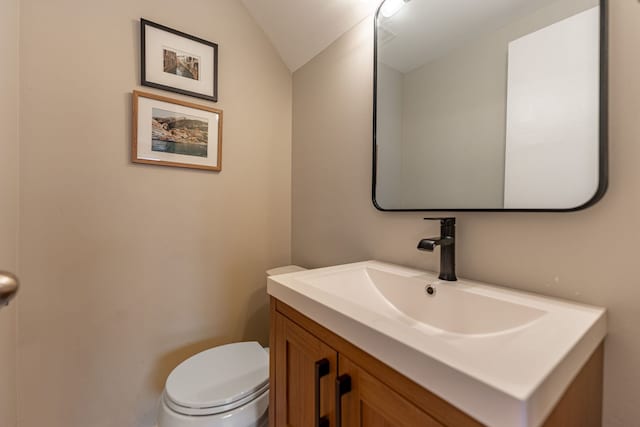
[453,308]
[504,357]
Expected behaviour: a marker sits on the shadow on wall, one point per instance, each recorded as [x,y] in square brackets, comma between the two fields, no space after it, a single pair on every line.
[168,361]
[257,323]
[256,329]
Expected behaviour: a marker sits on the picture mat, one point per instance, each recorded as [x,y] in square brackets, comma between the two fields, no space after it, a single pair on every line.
[155,42]
[145,116]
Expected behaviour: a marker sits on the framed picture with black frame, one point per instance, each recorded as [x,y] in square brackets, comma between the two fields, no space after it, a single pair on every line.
[178,62]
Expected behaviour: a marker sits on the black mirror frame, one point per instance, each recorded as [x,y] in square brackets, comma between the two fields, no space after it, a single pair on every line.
[603,159]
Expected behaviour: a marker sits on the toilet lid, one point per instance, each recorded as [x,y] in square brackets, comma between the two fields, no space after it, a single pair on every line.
[219,376]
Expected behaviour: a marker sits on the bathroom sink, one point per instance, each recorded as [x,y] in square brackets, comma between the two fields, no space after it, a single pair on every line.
[503,356]
[451,307]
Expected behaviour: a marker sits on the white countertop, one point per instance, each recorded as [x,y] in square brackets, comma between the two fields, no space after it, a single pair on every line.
[509,378]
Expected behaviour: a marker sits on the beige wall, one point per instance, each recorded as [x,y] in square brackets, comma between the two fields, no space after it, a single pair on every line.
[129,269]
[8,200]
[588,256]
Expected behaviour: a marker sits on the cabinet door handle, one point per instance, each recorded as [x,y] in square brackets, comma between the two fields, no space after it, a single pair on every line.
[343,386]
[322,369]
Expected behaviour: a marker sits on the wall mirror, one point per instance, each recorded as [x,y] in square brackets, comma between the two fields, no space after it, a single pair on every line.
[490,105]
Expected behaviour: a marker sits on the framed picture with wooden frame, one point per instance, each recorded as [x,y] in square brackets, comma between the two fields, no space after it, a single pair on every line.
[178,62]
[171,132]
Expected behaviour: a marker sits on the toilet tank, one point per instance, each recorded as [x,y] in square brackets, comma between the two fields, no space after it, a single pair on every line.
[284,270]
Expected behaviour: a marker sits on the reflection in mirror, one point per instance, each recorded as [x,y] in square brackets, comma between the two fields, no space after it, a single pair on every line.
[492,104]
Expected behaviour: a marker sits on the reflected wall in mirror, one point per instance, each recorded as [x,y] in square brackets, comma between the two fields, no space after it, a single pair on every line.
[489,105]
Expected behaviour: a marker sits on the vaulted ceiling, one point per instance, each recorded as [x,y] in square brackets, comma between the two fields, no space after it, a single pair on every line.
[300,29]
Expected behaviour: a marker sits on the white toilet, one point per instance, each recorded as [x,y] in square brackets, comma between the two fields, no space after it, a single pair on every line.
[226,386]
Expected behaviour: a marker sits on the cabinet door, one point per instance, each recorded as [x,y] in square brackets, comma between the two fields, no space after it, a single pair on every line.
[371,403]
[305,372]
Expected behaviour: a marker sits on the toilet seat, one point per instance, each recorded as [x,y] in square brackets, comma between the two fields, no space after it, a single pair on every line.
[218,380]
[213,410]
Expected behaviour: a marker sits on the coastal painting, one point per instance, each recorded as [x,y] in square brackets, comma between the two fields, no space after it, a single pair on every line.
[173,132]
[179,133]
[181,63]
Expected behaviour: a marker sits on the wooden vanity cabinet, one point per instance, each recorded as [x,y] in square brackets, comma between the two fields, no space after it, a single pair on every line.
[305,370]
[318,379]
[371,403]
[378,397]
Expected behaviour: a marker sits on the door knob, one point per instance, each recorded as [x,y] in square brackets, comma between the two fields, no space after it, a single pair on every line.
[9,285]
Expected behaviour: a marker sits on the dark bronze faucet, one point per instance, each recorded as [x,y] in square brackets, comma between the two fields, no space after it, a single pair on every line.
[447,243]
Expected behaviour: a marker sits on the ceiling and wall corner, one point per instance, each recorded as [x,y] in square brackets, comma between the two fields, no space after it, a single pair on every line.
[423,31]
[334,221]
[8,202]
[299,30]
